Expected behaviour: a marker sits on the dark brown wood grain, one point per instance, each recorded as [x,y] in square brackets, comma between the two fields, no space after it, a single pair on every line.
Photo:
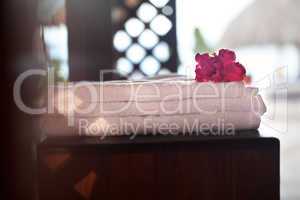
[165,167]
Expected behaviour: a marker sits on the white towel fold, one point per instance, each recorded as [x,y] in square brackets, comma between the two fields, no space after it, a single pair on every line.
[154,106]
[166,124]
[156,90]
[185,106]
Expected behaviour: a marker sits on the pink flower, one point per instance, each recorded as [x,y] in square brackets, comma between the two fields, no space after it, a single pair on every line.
[226,56]
[219,68]
[234,72]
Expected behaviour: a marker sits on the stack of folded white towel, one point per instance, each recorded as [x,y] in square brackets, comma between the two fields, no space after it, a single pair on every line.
[166,106]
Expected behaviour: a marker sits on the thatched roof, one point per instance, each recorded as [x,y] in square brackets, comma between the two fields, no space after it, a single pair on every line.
[265,22]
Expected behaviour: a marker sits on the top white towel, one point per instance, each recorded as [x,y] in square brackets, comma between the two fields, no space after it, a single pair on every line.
[148,90]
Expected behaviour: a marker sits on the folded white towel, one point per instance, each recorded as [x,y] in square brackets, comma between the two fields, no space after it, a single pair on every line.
[118,108]
[224,123]
[184,106]
[154,90]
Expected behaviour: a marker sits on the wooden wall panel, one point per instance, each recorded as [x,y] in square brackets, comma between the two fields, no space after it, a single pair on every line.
[89,38]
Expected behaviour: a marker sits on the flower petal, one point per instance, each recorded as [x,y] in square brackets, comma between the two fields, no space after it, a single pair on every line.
[234,72]
[226,56]
[202,58]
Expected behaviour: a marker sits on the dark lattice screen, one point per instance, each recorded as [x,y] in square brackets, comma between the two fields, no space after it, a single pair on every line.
[144,37]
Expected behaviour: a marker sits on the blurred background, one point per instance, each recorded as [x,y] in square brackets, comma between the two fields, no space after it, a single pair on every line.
[137,39]
[149,33]
[156,37]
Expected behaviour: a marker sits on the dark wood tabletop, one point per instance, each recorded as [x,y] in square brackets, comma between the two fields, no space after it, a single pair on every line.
[68,141]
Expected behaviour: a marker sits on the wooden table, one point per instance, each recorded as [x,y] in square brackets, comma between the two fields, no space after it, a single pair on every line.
[241,167]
